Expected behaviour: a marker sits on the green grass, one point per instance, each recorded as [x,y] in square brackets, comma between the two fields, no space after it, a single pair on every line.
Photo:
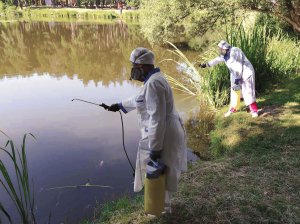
[19,191]
[254,177]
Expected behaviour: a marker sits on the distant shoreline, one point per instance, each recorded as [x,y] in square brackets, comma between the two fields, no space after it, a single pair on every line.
[67,14]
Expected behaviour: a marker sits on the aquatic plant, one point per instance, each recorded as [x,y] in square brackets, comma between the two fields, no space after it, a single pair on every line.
[20,191]
[191,81]
[210,85]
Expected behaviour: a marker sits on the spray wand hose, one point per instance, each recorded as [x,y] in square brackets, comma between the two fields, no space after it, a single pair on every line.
[123,135]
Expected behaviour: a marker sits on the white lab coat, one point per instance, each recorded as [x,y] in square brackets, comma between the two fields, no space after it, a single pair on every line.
[240,68]
[161,129]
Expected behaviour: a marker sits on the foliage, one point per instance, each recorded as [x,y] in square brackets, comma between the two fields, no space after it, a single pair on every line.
[79,14]
[20,193]
[8,11]
[133,3]
[170,20]
[67,14]
[217,85]
[283,55]
[176,20]
[274,24]
[286,10]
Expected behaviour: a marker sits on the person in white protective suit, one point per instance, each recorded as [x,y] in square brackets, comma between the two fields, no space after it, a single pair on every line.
[162,132]
[241,73]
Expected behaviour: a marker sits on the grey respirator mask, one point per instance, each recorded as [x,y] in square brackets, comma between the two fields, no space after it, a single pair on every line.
[137,74]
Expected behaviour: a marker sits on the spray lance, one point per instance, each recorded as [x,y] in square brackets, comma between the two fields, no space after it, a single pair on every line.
[123,141]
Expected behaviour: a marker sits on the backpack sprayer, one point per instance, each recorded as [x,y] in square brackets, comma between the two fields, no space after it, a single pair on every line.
[235,99]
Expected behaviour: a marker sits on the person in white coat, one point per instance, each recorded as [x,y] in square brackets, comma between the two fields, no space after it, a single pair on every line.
[241,73]
[162,132]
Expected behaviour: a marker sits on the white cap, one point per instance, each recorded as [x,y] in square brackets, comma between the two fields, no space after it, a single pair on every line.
[142,55]
[223,45]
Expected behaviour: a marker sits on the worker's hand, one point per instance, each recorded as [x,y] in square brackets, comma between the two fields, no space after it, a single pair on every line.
[155,155]
[236,87]
[203,65]
[237,81]
[114,107]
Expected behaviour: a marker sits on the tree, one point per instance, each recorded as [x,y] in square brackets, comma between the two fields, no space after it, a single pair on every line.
[162,20]
[286,10]
[169,20]
[135,3]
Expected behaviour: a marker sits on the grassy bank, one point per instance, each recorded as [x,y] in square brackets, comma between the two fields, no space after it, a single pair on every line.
[254,178]
[65,14]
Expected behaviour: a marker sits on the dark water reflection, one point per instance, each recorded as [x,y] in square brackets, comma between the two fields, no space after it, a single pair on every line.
[43,65]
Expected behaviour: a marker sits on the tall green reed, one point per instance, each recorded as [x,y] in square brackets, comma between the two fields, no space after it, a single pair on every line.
[254,43]
[284,55]
[190,83]
[17,185]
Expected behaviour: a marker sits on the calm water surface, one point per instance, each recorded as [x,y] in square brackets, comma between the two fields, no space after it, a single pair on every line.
[43,65]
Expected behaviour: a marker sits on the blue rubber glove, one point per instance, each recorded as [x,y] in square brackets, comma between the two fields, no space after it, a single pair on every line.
[237,81]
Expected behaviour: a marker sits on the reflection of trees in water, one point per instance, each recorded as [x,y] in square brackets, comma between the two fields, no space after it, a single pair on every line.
[97,52]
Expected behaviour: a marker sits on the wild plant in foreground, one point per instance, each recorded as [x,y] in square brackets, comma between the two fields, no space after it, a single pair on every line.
[17,186]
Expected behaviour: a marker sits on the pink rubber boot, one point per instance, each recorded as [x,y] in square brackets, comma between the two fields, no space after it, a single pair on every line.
[253,109]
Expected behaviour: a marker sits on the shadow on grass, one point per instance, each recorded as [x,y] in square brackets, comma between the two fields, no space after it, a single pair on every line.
[277,124]
[257,181]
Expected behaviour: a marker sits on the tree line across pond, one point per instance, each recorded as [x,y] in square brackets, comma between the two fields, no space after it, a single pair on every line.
[68,3]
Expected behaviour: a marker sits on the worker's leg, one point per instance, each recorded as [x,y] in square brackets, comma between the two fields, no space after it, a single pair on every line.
[168,208]
[253,107]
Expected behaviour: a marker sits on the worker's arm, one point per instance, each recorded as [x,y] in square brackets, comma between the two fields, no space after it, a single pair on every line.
[215,61]
[128,104]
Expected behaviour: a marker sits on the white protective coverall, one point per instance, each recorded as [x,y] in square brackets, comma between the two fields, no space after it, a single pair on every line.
[240,68]
[161,129]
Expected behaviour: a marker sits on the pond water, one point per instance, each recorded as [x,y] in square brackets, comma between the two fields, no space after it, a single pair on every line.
[43,65]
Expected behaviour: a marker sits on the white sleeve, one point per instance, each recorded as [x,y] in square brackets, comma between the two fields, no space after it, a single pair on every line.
[128,104]
[215,61]
[156,108]
[235,62]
